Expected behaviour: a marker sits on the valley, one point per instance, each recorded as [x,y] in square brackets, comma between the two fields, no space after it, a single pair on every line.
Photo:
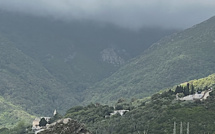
[112,79]
[46,64]
[174,59]
[156,114]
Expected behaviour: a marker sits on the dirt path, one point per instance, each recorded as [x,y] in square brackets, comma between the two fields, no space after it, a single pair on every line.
[206,94]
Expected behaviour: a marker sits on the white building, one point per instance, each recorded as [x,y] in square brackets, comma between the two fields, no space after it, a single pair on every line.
[196,96]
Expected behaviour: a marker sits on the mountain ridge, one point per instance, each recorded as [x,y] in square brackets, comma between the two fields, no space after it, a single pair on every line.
[179,57]
[75,54]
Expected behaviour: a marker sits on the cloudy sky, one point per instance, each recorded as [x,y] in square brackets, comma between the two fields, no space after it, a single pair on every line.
[126,13]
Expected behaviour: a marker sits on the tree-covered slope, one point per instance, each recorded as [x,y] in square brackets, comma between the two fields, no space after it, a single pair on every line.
[202,83]
[77,53]
[180,57]
[10,114]
[66,126]
[26,83]
[154,116]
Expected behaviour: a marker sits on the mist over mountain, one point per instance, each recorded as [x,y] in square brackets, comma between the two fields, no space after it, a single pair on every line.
[60,54]
[54,61]
[177,58]
[130,14]
[77,52]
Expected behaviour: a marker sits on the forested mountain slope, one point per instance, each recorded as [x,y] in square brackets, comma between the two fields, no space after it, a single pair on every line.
[77,53]
[180,57]
[202,83]
[156,114]
[10,114]
[26,83]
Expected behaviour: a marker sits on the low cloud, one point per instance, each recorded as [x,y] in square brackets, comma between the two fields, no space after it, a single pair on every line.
[126,13]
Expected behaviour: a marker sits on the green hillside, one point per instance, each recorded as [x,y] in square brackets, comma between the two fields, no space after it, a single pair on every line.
[10,114]
[77,53]
[154,116]
[26,83]
[45,64]
[201,83]
[177,58]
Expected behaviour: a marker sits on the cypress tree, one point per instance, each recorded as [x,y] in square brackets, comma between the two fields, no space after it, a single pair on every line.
[42,122]
[181,89]
[177,90]
[192,89]
[188,88]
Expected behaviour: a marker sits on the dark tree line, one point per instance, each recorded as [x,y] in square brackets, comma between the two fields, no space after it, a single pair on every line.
[187,90]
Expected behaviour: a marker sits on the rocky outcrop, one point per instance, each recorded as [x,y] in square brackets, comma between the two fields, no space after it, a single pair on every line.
[65,126]
[111,56]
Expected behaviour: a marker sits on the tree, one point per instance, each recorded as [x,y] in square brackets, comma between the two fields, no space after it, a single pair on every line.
[121,100]
[42,122]
[192,89]
[186,91]
[188,88]
[4,131]
[205,88]
[19,129]
[119,107]
[56,117]
[179,89]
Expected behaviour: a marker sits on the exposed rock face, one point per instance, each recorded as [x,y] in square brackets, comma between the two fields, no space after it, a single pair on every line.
[70,57]
[65,126]
[111,56]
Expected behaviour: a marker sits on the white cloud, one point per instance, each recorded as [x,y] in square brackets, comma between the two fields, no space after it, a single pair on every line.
[128,13]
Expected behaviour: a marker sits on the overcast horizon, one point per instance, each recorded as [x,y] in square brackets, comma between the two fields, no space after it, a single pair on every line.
[126,13]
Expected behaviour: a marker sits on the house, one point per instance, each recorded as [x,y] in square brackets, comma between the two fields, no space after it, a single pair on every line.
[196,96]
[36,122]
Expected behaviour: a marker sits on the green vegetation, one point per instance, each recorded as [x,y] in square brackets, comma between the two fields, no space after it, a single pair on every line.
[45,64]
[54,61]
[20,128]
[152,115]
[45,67]
[70,127]
[26,83]
[201,83]
[56,117]
[90,114]
[11,115]
[155,116]
[43,122]
[71,51]
[177,58]
[194,85]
